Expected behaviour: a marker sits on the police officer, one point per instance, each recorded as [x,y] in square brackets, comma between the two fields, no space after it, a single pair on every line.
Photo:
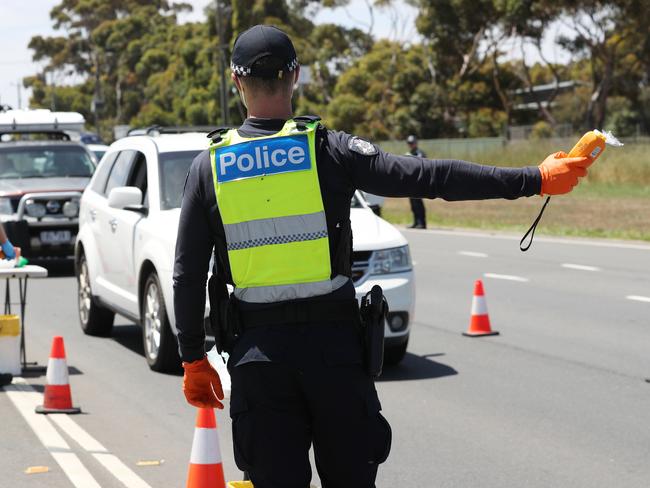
[417,205]
[272,199]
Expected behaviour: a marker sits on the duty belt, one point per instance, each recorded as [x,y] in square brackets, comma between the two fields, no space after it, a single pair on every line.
[298,312]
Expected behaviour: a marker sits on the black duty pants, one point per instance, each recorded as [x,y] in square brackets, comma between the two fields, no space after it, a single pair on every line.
[311,390]
[417,206]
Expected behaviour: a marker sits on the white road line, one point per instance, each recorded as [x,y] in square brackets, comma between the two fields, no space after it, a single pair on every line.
[74,469]
[53,441]
[638,298]
[473,254]
[554,240]
[25,399]
[111,462]
[72,429]
[580,267]
[506,277]
[120,470]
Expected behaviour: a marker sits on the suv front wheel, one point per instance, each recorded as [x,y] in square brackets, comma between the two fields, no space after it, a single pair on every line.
[95,320]
[160,348]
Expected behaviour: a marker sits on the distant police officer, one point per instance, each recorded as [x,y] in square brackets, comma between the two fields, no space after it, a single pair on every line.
[417,205]
[272,198]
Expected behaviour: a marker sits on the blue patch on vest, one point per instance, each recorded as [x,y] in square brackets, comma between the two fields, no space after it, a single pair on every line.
[262,157]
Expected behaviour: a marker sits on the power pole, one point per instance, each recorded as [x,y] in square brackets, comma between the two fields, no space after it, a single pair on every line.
[52,91]
[96,103]
[20,102]
[221,53]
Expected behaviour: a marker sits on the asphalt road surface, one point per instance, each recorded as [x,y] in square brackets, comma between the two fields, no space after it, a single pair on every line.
[559,399]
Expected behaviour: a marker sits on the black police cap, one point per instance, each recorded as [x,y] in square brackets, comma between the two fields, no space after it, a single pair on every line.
[263,41]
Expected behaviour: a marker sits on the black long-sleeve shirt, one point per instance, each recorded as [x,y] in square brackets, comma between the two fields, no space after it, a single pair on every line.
[343,167]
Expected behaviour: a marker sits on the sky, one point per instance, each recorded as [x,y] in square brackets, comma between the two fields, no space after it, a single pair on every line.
[22,19]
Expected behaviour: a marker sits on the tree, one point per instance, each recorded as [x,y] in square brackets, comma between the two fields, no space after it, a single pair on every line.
[601,31]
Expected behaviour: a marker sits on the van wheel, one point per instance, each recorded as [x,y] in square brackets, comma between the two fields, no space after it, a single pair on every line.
[160,347]
[95,320]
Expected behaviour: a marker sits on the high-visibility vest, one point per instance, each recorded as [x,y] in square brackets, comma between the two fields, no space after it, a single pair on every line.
[270,203]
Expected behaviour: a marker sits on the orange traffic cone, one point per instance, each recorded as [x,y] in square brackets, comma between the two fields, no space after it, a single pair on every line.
[206,470]
[58,398]
[480,322]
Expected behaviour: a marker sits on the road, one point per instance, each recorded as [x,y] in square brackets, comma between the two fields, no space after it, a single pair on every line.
[559,399]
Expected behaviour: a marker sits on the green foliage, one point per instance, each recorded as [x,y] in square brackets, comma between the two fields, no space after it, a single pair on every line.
[621,117]
[541,130]
[486,122]
[141,67]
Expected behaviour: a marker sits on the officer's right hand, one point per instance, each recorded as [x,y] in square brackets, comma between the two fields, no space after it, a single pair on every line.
[201,384]
[9,251]
[560,173]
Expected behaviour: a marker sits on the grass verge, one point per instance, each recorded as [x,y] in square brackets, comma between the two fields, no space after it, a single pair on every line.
[612,202]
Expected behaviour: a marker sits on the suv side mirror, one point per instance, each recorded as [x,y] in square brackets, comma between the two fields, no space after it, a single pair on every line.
[125,196]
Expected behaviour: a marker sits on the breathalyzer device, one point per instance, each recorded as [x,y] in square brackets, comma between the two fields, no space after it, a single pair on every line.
[590,145]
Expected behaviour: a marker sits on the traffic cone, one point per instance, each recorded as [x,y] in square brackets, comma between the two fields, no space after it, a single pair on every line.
[206,470]
[480,322]
[57,398]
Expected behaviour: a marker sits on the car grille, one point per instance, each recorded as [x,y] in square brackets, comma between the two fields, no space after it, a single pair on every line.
[360,264]
[53,205]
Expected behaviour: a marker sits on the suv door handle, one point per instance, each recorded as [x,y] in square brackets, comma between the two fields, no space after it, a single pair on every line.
[93,215]
[113,224]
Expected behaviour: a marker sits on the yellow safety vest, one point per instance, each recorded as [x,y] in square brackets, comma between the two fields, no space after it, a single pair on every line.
[270,203]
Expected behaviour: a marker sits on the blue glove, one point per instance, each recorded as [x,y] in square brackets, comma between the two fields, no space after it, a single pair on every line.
[8,249]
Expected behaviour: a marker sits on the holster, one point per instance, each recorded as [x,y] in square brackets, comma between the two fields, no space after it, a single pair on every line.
[374,309]
[222,320]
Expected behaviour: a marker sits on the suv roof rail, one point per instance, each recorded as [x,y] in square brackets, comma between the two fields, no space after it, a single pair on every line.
[56,135]
[155,130]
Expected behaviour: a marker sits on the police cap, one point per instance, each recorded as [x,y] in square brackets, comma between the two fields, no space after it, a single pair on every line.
[263,41]
[411,139]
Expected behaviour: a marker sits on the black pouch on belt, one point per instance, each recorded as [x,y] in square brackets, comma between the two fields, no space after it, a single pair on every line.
[374,309]
[221,317]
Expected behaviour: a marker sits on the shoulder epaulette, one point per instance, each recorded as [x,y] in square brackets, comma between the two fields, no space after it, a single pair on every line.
[302,120]
[216,134]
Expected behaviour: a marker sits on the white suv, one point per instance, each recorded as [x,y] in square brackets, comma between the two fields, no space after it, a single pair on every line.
[124,252]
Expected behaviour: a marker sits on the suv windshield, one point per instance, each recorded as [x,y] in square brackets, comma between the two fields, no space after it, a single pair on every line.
[44,162]
[173,169]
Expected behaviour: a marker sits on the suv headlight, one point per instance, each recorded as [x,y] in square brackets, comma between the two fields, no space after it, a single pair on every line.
[35,209]
[5,206]
[71,208]
[393,260]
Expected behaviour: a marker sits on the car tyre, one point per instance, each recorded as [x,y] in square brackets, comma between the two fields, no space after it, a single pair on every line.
[95,320]
[160,347]
[395,354]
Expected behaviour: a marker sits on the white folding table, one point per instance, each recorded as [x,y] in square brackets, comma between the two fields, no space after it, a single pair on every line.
[22,275]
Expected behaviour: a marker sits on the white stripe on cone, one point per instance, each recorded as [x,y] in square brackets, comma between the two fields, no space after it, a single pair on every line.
[479,305]
[57,372]
[205,447]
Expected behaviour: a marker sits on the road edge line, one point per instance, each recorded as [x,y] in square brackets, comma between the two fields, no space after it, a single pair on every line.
[25,398]
[615,244]
[109,461]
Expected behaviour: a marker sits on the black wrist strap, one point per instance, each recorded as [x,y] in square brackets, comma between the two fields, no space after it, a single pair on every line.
[532,229]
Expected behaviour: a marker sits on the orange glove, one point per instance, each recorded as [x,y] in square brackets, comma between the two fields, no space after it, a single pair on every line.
[560,173]
[201,384]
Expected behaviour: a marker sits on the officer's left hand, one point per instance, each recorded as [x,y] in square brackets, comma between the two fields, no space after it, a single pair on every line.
[560,173]
[201,384]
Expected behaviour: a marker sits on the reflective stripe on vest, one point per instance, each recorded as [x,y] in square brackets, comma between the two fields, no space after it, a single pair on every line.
[270,203]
